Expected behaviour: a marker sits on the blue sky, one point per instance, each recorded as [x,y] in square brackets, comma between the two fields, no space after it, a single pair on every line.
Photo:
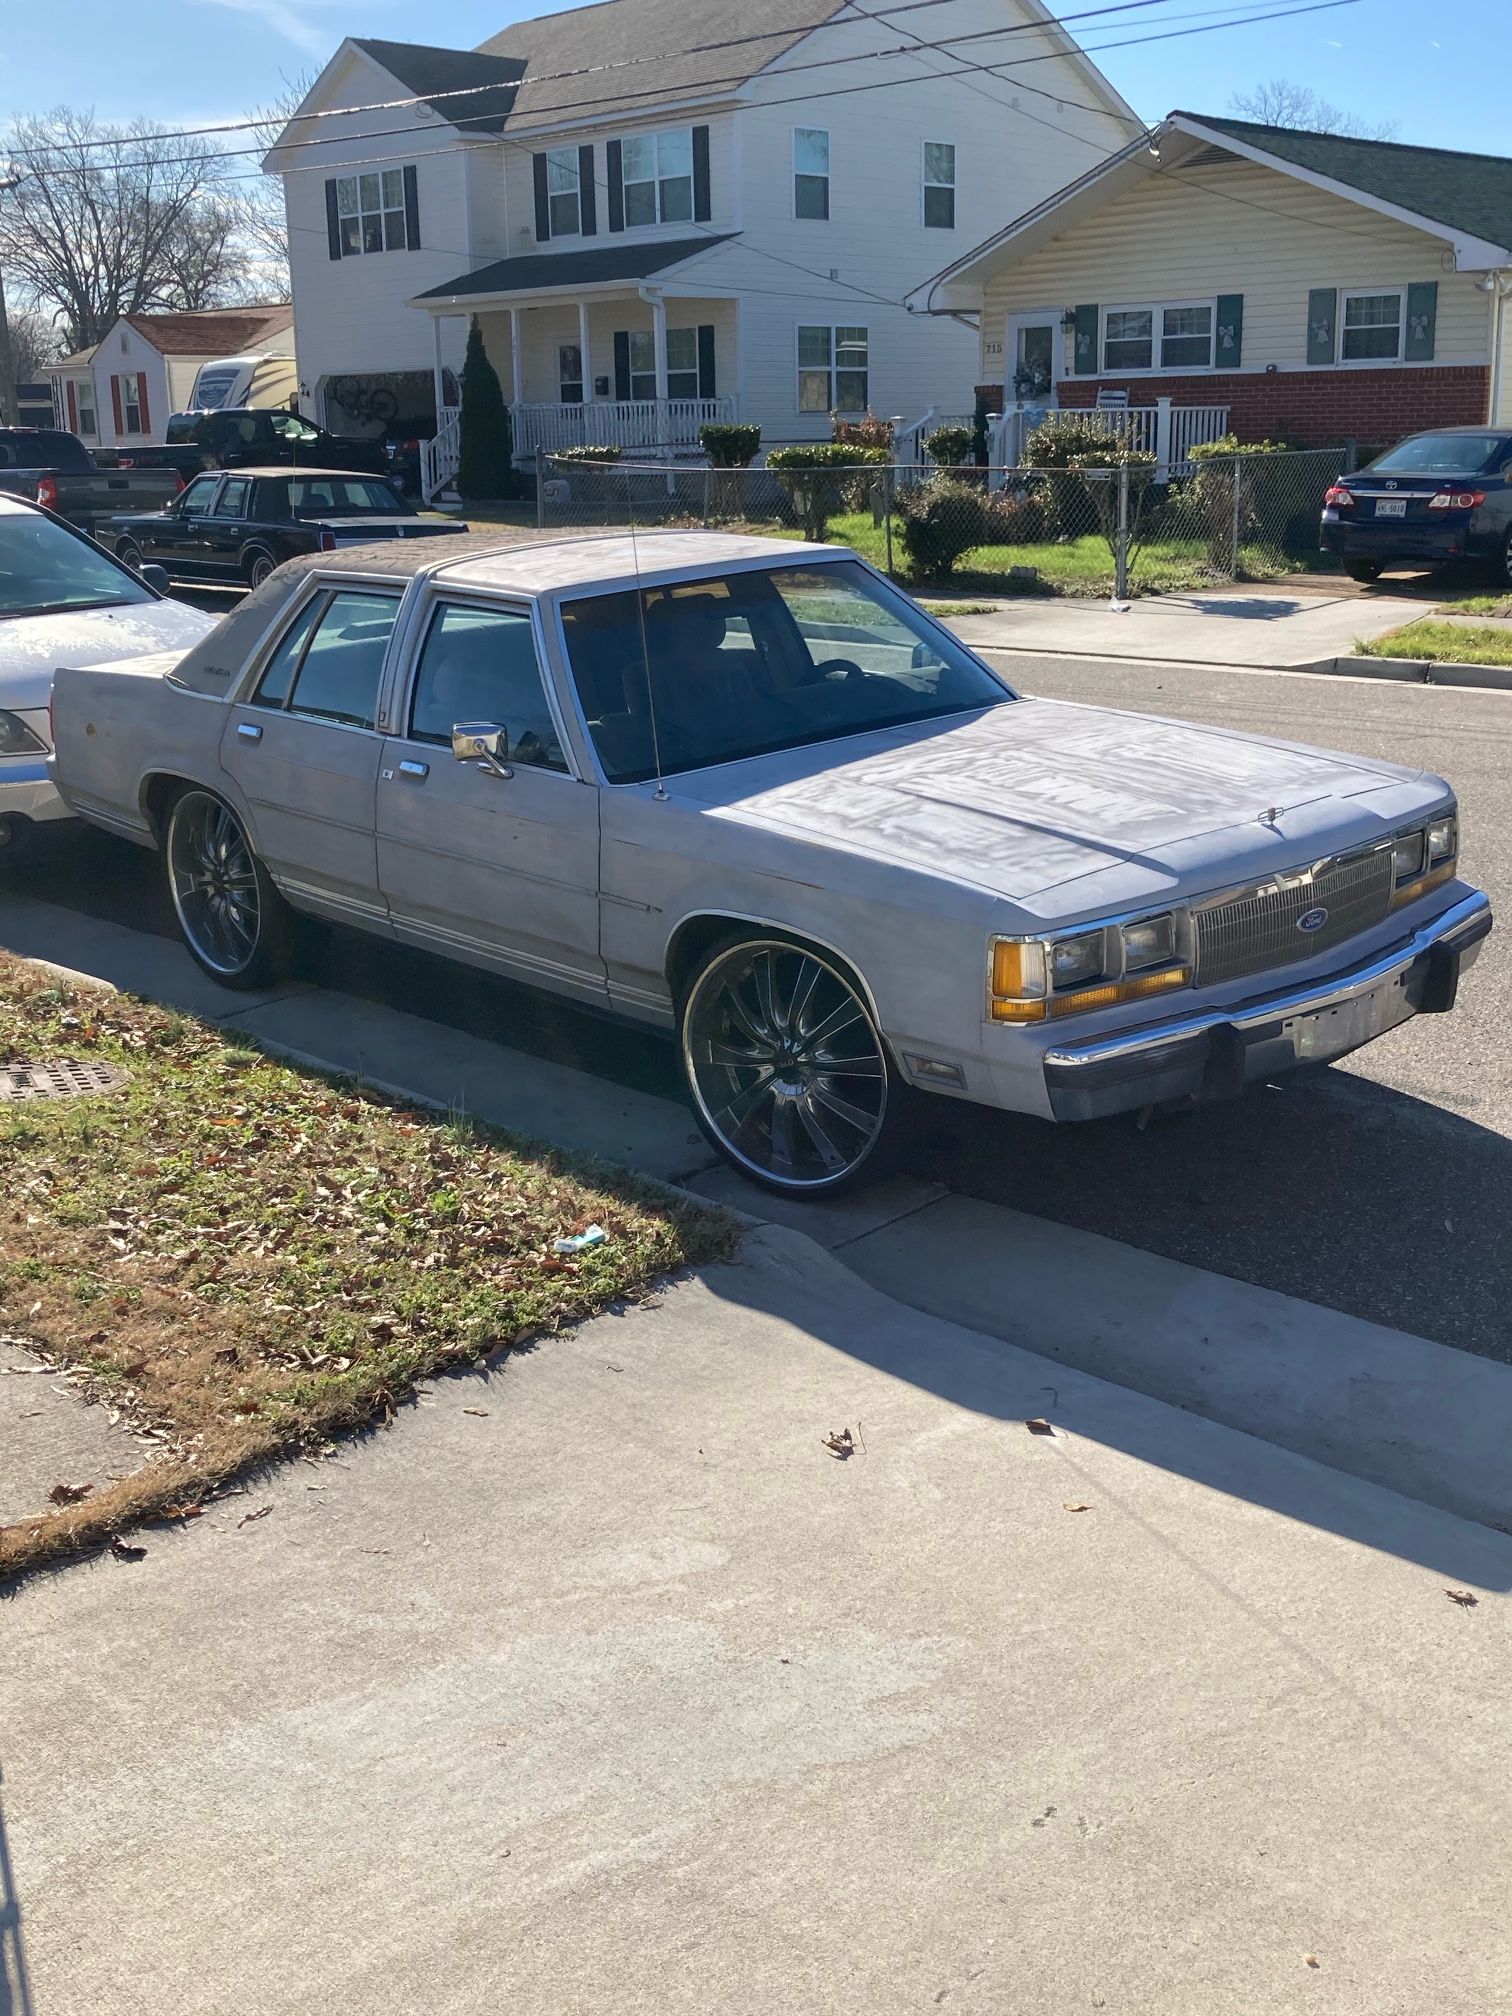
[1438,72]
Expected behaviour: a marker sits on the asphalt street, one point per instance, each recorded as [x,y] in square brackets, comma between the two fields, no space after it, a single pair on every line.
[1381,1186]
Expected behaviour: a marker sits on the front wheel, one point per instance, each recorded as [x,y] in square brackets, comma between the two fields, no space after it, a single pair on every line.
[234,922]
[790,1076]
[129,555]
[1363,570]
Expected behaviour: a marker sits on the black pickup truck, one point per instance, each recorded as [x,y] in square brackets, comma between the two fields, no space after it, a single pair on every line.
[47,466]
[240,437]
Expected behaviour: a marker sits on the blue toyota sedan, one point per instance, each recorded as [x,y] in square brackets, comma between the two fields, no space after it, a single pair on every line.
[1434,498]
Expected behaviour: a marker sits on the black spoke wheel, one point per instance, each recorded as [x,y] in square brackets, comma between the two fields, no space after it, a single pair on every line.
[790,1076]
[258,566]
[233,920]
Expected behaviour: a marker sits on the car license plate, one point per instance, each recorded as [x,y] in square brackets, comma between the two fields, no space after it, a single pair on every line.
[1391,507]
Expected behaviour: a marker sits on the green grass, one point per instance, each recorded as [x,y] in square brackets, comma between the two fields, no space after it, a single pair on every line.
[1445,643]
[1480,605]
[248,1257]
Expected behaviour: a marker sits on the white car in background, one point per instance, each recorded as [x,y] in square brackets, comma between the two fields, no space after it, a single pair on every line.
[63,599]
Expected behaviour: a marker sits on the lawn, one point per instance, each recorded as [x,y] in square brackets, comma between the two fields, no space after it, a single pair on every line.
[245,1258]
[1481,605]
[1445,643]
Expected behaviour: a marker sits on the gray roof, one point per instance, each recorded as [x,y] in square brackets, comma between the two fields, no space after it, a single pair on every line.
[435,74]
[664,39]
[537,272]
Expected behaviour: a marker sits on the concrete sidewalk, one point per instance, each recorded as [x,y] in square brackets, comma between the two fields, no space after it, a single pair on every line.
[1270,628]
[625,1695]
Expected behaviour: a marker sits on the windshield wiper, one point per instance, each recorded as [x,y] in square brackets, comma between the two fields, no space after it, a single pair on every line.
[67,608]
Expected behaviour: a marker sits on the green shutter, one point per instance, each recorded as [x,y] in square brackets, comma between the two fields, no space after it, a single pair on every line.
[1322,311]
[1422,315]
[1085,353]
[1228,350]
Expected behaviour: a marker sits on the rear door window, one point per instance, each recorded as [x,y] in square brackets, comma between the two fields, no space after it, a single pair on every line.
[232,502]
[339,675]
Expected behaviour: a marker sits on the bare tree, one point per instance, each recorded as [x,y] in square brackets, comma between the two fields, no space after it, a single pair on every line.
[1282,103]
[34,342]
[264,223]
[112,220]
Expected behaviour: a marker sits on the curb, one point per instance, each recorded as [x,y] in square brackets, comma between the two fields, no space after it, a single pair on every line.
[1405,671]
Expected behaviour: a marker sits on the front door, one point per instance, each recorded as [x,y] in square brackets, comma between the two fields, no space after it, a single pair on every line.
[304,751]
[174,540]
[1031,353]
[499,870]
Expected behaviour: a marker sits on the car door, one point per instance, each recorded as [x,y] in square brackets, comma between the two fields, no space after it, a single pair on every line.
[173,539]
[304,752]
[224,529]
[501,870]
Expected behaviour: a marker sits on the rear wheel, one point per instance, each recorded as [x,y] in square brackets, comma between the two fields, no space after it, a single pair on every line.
[1363,570]
[790,1076]
[234,922]
[129,555]
[257,566]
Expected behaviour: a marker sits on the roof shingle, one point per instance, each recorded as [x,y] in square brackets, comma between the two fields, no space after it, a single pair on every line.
[437,74]
[537,271]
[213,332]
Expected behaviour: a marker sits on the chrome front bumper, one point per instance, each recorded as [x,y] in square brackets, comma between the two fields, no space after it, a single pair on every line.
[1213,1053]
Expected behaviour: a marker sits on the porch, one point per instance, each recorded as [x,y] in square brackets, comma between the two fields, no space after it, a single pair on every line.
[1165,430]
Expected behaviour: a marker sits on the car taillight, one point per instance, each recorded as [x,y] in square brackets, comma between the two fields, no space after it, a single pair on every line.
[47,492]
[1338,496]
[1456,500]
[327,540]
[179,482]
[125,462]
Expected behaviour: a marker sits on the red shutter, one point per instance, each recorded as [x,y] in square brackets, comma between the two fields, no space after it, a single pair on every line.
[142,402]
[115,402]
[73,408]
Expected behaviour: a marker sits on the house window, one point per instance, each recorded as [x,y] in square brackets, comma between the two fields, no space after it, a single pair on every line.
[1372,327]
[1186,337]
[810,172]
[939,185]
[86,409]
[1128,339]
[370,212]
[832,369]
[570,371]
[682,363]
[563,200]
[657,170]
[1173,337]
[643,363]
[131,404]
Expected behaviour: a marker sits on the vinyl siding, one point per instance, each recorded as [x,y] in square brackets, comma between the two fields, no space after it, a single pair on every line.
[124,353]
[1235,229]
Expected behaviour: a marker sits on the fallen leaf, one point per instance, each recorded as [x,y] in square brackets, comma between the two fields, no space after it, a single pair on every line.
[261,1513]
[69,1494]
[1463,1597]
[124,1551]
[1039,1427]
[475,1410]
[839,1443]
[1078,1508]
[1311,1959]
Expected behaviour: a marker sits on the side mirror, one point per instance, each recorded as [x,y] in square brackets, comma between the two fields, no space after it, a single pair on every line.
[154,576]
[485,743]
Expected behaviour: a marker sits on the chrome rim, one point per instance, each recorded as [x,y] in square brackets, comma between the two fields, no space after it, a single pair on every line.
[786,1064]
[214,883]
[260,569]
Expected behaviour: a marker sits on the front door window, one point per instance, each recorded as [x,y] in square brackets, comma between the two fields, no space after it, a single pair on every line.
[1034,360]
[570,373]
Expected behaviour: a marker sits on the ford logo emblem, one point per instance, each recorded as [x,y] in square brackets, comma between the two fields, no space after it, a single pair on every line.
[1313,920]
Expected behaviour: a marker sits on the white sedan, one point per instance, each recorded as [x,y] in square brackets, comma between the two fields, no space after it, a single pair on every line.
[750,791]
[61,597]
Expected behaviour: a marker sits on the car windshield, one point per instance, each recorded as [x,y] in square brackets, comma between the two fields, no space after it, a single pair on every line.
[1441,455]
[44,568]
[320,496]
[751,662]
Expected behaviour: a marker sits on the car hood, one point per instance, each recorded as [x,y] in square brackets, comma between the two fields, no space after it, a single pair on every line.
[33,647]
[1067,809]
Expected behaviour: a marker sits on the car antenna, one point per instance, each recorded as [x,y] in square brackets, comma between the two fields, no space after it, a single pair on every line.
[640,611]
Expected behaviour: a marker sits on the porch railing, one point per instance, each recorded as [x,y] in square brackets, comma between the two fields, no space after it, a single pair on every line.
[1164,430]
[664,424]
[439,457]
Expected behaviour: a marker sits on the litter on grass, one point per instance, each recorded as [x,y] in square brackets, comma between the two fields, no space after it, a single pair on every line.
[580,1241]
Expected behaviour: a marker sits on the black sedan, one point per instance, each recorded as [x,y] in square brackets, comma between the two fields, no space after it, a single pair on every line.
[1433,498]
[235,526]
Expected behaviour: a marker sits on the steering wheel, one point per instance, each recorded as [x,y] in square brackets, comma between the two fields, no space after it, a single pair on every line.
[847,666]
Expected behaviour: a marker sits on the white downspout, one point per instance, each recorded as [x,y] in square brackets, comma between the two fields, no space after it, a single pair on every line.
[1498,331]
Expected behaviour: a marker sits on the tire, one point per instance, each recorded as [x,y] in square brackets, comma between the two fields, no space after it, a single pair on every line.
[17,837]
[760,1019]
[1502,570]
[232,919]
[257,565]
[129,555]
[1363,570]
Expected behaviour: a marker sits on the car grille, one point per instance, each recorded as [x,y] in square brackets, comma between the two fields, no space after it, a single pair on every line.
[1256,931]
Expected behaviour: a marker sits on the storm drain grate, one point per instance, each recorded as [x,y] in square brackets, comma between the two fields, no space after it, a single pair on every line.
[65,1079]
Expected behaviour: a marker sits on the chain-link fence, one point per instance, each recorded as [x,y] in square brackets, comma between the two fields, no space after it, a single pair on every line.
[1121,530]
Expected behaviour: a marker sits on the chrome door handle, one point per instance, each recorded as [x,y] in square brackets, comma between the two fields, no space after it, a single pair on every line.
[249,731]
[409,768]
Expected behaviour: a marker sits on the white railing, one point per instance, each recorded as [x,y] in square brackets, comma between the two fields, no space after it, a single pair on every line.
[439,457]
[909,437]
[1164,430]
[669,425]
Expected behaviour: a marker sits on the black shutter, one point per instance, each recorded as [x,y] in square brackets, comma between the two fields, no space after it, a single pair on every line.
[542,205]
[701,204]
[706,361]
[587,194]
[412,209]
[621,363]
[1084,355]
[333,221]
[1228,346]
[1422,318]
[614,162]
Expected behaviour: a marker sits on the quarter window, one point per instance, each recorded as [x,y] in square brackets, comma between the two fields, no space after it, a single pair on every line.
[370,212]
[939,185]
[481,665]
[833,366]
[338,676]
[811,172]
[1372,327]
[563,196]
[278,674]
[657,171]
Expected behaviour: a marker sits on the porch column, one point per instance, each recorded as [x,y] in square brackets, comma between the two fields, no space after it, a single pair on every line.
[659,336]
[515,353]
[587,358]
[437,367]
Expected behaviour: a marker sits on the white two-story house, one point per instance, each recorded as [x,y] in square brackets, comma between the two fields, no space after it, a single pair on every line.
[663,212]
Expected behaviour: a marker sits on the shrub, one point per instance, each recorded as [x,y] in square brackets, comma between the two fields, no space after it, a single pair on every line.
[941,521]
[1013,518]
[1065,438]
[949,447]
[821,479]
[485,459]
[1222,467]
[594,455]
[868,433]
[730,444]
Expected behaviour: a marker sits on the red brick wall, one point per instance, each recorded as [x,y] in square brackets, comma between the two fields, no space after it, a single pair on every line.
[1312,408]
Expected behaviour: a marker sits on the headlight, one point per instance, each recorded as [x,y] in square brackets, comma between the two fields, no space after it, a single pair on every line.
[1443,842]
[1074,961]
[1409,856]
[1034,980]
[1424,858]
[16,739]
[1151,943]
